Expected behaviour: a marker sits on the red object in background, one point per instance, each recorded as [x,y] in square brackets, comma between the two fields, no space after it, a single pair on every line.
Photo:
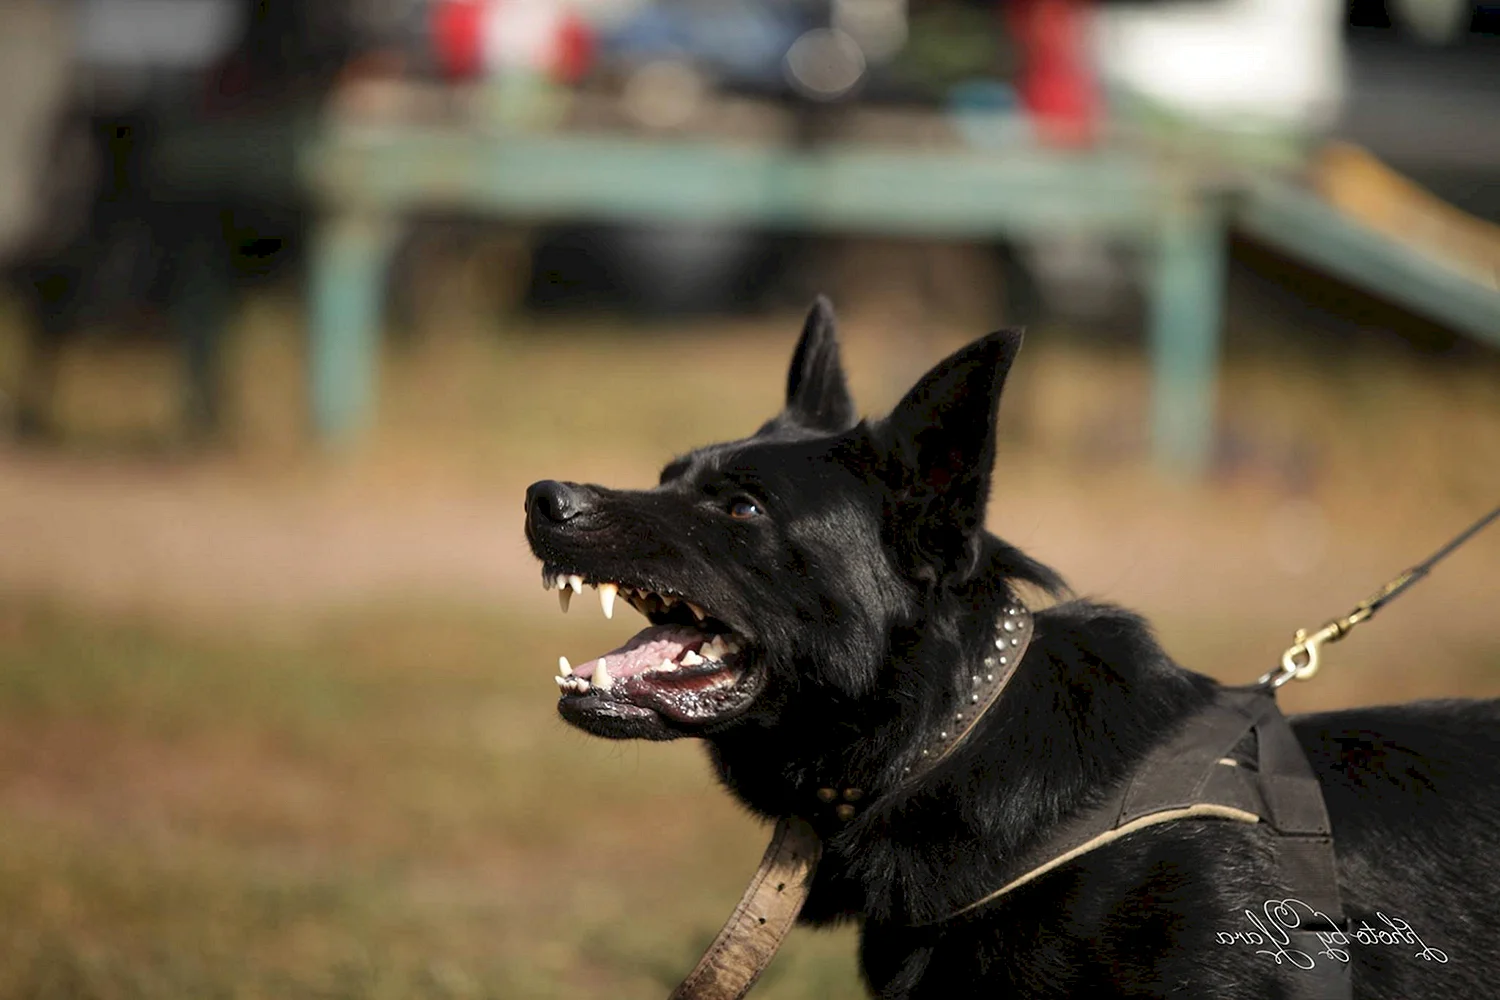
[476,37]
[574,51]
[1057,82]
[458,37]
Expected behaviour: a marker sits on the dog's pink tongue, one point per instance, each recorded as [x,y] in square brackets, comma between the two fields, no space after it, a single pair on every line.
[645,651]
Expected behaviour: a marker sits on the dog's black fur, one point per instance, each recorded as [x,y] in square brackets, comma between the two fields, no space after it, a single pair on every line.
[865,583]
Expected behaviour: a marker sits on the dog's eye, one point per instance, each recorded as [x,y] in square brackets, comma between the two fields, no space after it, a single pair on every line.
[743,508]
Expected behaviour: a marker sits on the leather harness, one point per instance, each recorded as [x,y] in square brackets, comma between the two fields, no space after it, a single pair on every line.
[1236,760]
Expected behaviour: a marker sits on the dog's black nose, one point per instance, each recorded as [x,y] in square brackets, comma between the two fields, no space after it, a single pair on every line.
[550,500]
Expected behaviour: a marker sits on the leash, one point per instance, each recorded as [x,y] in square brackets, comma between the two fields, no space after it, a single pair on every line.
[764,915]
[1302,659]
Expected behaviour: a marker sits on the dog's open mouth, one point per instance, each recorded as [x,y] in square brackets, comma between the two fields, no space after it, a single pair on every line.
[686,669]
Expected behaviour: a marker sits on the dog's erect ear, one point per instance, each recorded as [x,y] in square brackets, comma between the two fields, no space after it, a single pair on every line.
[816,395]
[940,446]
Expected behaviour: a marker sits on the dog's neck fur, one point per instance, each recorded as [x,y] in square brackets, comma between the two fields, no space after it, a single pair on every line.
[1077,677]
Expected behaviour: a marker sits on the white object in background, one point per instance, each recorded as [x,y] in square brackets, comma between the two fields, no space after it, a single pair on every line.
[824,64]
[157,34]
[1238,63]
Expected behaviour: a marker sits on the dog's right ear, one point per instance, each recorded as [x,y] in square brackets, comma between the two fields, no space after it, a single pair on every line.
[816,395]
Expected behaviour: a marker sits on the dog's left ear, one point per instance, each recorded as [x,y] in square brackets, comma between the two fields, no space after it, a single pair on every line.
[816,395]
[940,447]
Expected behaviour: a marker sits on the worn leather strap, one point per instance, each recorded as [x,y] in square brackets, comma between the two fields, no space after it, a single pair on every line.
[751,936]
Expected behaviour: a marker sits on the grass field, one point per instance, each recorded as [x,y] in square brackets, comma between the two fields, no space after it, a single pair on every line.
[385,809]
[273,726]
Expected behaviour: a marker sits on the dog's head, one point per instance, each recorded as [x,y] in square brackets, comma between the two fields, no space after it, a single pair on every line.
[775,568]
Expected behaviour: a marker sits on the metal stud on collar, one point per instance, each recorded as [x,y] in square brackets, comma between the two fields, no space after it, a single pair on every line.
[1011,630]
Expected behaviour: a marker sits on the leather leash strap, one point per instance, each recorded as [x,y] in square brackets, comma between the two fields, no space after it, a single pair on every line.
[751,936]
[766,912]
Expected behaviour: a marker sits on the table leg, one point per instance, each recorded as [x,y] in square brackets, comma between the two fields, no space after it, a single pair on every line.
[346,292]
[1186,303]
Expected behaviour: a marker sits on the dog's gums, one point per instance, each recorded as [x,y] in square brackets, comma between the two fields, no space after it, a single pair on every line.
[686,667]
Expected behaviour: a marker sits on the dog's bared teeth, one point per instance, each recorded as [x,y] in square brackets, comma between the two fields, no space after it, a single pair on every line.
[607,592]
[564,597]
[691,659]
[713,649]
[564,667]
[602,680]
[667,665]
[576,583]
[698,612]
[564,683]
[667,600]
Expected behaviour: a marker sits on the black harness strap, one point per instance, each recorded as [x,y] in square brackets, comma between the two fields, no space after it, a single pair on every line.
[1304,849]
[1236,760]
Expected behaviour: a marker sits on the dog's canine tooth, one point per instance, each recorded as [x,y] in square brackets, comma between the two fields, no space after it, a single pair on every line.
[691,659]
[576,582]
[564,667]
[564,597]
[607,592]
[602,680]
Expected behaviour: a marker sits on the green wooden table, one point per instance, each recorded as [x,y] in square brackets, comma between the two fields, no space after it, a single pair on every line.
[366,180]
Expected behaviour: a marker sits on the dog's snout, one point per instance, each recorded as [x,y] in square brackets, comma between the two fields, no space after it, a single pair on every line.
[551,501]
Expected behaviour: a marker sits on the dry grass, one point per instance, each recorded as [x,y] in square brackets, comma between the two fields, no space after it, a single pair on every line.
[386,808]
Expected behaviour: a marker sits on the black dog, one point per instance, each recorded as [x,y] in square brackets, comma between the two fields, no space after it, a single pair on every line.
[813,591]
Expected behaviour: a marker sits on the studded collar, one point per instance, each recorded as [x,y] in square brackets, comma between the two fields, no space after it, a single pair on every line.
[755,929]
[976,692]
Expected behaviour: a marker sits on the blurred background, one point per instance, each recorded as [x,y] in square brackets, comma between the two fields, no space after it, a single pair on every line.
[299,297]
